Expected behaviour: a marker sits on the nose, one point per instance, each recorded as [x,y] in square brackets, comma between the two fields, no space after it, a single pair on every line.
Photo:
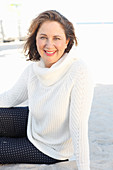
[49,44]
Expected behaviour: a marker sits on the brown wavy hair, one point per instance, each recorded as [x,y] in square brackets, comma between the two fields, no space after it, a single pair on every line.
[30,48]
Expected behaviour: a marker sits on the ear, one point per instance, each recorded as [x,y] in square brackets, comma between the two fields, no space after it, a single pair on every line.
[67,41]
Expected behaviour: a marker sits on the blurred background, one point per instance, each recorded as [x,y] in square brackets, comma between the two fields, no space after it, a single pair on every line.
[93,21]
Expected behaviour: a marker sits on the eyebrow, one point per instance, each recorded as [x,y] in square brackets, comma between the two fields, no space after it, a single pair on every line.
[43,34]
[53,36]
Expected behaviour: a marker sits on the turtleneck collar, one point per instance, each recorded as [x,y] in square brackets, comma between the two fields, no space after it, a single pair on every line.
[49,76]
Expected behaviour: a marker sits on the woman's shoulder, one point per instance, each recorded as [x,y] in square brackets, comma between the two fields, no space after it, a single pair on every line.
[79,65]
[29,67]
[28,70]
[80,70]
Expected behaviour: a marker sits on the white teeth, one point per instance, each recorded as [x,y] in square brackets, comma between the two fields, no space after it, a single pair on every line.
[49,52]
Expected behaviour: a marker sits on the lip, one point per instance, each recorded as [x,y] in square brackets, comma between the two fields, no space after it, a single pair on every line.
[49,53]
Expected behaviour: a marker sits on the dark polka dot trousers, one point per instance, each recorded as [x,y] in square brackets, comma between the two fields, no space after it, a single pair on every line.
[14,144]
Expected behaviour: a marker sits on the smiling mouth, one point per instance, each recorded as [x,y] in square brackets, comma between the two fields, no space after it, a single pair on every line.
[49,53]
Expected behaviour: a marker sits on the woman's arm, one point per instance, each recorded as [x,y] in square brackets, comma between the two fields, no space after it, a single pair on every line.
[17,94]
[81,100]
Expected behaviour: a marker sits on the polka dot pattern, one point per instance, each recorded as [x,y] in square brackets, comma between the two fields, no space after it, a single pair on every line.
[14,144]
[13,121]
[21,150]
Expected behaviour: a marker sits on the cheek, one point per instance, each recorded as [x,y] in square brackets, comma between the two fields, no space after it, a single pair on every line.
[39,44]
[61,46]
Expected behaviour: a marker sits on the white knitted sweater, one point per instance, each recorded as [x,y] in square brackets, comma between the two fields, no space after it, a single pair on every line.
[59,100]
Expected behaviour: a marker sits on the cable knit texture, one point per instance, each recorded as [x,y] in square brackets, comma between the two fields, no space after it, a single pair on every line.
[59,100]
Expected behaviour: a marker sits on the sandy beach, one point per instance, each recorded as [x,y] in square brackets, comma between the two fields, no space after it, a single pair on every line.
[100,121]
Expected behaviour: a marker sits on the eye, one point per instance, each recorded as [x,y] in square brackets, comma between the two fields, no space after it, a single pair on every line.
[42,38]
[56,38]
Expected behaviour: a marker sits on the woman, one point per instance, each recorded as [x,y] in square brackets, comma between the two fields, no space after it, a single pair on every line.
[59,93]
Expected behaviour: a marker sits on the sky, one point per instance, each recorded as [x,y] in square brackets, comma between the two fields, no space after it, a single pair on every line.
[76,10]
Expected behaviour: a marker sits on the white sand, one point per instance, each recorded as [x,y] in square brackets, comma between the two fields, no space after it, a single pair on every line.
[100,122]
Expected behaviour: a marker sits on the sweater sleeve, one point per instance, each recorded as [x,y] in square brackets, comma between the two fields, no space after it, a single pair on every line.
[81,100]
[17,94]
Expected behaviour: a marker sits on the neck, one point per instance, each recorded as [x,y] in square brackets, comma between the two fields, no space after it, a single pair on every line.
[50,75]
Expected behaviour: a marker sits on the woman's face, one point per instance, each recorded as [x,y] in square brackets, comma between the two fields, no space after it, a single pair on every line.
[51,42]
